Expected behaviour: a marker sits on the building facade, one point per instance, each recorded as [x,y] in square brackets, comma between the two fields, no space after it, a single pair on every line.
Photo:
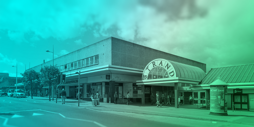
[115,65]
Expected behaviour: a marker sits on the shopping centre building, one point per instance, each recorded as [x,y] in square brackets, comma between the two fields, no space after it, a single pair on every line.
[115,65]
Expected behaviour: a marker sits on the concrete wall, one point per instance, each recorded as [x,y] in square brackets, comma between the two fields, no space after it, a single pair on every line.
[137,56]
[101,48]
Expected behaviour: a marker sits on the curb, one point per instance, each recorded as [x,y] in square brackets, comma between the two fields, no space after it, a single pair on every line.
[161,115]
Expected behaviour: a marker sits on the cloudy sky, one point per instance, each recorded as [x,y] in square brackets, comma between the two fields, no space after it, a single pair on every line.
[215,32]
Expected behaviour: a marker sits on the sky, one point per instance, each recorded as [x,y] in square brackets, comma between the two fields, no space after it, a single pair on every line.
[215,32]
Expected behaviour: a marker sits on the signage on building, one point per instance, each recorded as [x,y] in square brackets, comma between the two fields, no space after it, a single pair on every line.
[158,68]
[238,91]
[72,81]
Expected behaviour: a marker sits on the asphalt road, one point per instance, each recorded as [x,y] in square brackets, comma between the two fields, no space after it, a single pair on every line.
[24,112]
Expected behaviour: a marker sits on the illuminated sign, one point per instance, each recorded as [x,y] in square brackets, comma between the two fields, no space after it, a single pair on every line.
[158,68]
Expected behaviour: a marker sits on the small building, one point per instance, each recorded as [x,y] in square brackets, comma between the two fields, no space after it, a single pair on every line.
[240,80]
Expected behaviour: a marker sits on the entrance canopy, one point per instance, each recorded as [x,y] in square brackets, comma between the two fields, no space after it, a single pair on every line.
[162,71]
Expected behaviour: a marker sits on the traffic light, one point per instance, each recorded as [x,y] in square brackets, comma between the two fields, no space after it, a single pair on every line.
[63,77]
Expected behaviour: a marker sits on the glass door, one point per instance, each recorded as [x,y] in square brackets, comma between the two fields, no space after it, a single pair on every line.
[241,102]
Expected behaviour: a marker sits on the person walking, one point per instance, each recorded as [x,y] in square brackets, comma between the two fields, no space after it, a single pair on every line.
[96,99]
[158,99]
[115,98]
[181,99]
[152,98]
[63,96]
[168,99]
[128,95]
[190,99]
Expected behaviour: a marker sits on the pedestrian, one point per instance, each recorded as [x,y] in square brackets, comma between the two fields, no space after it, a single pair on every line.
[96,99]
[190,99]
[181,99]
[152,98]
[158,99]
[115,98]
[63,96]
[168,99]
[128,95]
[163,99]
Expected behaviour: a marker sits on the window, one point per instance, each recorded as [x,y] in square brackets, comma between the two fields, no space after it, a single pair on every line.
[83,62]
[97,59]
[69,67]
[75,64]
[91,60]
[79,63]
[87,62]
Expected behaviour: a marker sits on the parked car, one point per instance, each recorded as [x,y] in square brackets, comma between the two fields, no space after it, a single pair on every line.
[2,93]
[10,92]
[19,93]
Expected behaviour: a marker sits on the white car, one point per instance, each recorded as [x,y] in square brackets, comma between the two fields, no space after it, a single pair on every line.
[10,92]
[19,93]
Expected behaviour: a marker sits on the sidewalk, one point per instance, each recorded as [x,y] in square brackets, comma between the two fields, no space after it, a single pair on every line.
[182,112]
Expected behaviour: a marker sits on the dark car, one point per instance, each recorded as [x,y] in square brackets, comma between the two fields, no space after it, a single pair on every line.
[2,93]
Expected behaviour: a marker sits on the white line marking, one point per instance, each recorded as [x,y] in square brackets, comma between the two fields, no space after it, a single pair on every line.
[75,118]
[5,121]
[61,115]
[16,116]
[37,114]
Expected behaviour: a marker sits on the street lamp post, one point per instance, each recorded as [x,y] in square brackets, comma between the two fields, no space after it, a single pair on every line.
[78,86]
[53,73]
[16,74]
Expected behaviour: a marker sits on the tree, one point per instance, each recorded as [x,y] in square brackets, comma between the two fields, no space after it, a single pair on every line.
[31,79]
[49,75]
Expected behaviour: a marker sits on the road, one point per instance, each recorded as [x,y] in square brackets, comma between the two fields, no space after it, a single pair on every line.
[25,112]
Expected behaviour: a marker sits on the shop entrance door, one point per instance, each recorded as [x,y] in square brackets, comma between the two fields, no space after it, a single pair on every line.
[241,101]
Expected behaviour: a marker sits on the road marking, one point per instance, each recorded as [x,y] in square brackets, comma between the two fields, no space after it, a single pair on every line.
[61,115]
[16,116]
[37,114]
[214,122]
[5,121]
[76,118]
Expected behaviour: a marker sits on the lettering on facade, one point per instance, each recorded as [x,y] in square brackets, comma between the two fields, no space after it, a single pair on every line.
[158,68]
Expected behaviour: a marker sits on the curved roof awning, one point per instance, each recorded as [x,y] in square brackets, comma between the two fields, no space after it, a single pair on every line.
[162,72]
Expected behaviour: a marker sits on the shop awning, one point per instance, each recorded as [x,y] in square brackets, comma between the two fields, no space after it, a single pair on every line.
[162,71]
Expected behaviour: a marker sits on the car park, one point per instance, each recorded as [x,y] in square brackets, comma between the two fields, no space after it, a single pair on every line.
[19,93]
[10,92]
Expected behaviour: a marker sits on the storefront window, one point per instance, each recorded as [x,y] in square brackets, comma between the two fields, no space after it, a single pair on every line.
[195,94]
[237,98]
[244,98]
